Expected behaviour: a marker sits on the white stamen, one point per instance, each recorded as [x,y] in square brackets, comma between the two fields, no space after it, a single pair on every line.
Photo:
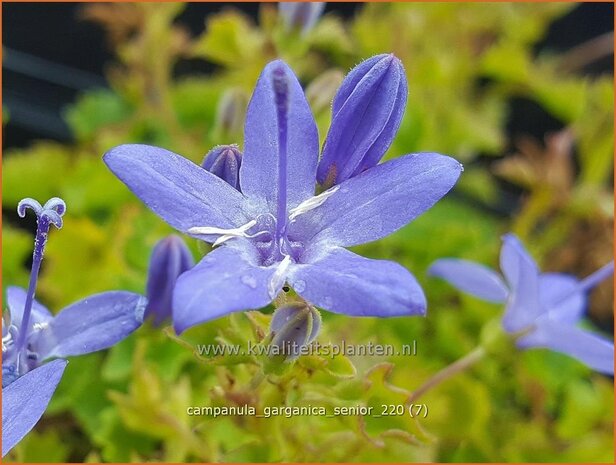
[225,234]
[279,277]
[312,203]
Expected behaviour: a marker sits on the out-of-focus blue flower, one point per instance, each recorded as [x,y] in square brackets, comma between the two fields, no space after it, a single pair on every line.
[225,161]
[170,258]
[542,309]
[366,114]
[300,15]
[276,230]
[33,335]
[294,326]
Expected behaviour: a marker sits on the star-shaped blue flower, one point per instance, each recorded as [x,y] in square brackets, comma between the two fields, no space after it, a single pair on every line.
[542,309]
[274,229]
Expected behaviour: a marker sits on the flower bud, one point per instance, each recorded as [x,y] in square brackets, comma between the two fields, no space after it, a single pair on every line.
[300,15]
[320,92]
[231,111]
[366,114]
[224,161]
[170,258]
[294,326]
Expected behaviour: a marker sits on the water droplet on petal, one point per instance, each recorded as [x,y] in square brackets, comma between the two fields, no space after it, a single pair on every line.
[328,302]
[249,281]
[299,286]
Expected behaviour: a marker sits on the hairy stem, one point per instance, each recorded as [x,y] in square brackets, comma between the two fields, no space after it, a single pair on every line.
[456,367]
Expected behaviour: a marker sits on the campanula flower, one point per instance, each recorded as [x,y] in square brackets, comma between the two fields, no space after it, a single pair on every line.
[276,230]
[225,161]
[366,114]
[294,326]
[300,15]
[33,335]
[542,309]
[170,258]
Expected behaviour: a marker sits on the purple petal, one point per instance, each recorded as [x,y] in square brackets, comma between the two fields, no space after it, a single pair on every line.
[180,192]
[16,300]
[365,122]
[24,401]
[344,282]
[512,251]
[379,201]
[260,164]
[590,349]
[227,280]
[558,295]
[472,278]
[524,304]
[352,79]
[94,323]
[170,258]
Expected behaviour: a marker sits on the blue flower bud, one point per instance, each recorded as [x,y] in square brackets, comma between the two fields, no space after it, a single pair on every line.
[294,326]
[224,161]
[322,89]
[366,114]
[170,258]
[300,15]
[231,111]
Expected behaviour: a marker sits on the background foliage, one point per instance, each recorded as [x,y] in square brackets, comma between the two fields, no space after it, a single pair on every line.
[466,64]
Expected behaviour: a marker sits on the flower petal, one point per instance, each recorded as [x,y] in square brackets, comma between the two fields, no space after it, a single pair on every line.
[24,401]
[522,274]
[179,191]
[259,170]
[558,294]
[591,349]
[512,251]
[344,282]
[380,200]
[16,301]
[471,277]
[227,280]
[94,323]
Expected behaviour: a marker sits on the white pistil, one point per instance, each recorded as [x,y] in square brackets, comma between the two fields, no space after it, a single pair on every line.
[312,203]
[225,234]
[279,277]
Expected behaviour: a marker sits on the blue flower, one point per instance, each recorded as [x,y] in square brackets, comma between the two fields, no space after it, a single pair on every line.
[276,229]
[170,258]
[300,15]
[542,309]
[33,335]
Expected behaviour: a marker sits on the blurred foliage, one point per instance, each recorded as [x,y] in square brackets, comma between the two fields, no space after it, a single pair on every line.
[465,63]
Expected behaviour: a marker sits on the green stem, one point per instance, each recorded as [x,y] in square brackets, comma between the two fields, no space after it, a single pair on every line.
[456,367]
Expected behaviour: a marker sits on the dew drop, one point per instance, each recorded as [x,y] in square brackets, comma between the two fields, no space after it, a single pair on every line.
[328,302]
[299,286]
[249,281]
